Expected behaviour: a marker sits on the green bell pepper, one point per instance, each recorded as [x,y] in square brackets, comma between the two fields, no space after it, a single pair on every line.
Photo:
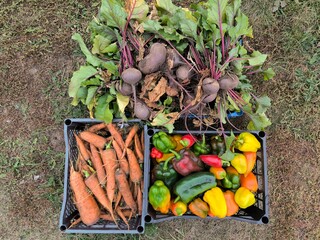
[201,148]
[159,197]
[164,171]
[163,142]
[232,179]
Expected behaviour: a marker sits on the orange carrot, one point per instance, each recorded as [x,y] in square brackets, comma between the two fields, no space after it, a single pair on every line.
[139,201]
[97,164]
[94,139]
[82,148]
[134,167]
[106,217]
[138,149]
[131,135]
[124,189]
[110,163]
[118,199]
[116,134]
[123,162]
[142,140]
[93,184]
[75,222]
[121,215]
[96,127]
[87,206]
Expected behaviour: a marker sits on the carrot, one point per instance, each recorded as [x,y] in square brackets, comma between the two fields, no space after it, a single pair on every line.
[110,163]
[142,140]
[106,217]
[118,199]
[97,164]
[135,170]
[130,137]
[121,215]
[87,206]
[115,134]
[94,139]
[96,127]
[75,223]
[93,184]
[139,201]
[123,162]
[137,148]
[124,189]
[81,147]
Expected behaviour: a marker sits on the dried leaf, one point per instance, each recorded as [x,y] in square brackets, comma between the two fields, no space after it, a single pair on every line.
[158,91]
[198,94]
[196,122]
[140,56]
[149,83]
[152,105]
[181,100]
[172,91]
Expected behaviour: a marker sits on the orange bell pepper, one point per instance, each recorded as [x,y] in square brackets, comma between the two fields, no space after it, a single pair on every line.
[250,182]
[199,208]
[251,161]
[179,208]
[232,206]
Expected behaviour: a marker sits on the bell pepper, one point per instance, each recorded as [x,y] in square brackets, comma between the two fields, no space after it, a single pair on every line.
[251,158]
[187,140]
[239,162]
[214,161]
[164,157]
[210,214]
[218,145]
[163,142]
[232,206]
[155,153]
[250,182]
[247,142]
[186,162]
[232,179]
[201,147]
[178,138]
[165,172]
[218,172]
[199,208]
[217,203]
[179,208]
[159,197]
[244,198]
[194,184]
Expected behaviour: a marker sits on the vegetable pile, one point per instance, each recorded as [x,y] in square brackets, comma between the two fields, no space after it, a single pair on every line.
[203,175]
[160,62]
[107,179]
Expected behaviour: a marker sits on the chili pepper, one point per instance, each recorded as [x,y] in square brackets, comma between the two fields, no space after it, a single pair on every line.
[232,179]
[218,145]
[163,142]
[187,140]
[201,147]
[199,208]
[247,142]
[250,182]
[244,198]
[217,203]
[214,161]
[232,206]
[196,183]
[159,197]
[165,172]
[218,172]
[251,158]
[155,153]
[179,208]
[178,138]
[239,162]
[186,162]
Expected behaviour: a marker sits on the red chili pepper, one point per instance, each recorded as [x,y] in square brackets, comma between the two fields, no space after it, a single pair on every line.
[187,140]
[214,161]
[155,153]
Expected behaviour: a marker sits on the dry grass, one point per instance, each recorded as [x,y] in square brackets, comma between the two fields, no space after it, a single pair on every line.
[37,57]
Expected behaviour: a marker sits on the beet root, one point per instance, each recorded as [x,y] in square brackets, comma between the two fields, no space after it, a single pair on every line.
[228,81]
[184,72]
[154,60]
[210,86]
[141,110]
[209,98]
[131,76]
[124,88]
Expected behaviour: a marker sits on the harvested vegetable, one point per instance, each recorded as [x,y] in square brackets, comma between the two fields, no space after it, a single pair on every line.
[94,139]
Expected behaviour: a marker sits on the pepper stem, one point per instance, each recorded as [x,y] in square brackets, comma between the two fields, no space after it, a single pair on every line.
[185,142]
[165,165]
[177,155]
[176,199]
[203,140]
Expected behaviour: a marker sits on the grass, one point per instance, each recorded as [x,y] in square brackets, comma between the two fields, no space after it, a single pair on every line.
[37,57]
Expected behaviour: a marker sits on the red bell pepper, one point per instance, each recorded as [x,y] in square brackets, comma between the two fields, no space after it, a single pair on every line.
[155,153]
[214,161]
[187,141]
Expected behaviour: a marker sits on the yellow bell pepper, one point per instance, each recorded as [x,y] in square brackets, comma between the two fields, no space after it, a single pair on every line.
[179,146]
[239,162]
[244,198]
[217,202]
[247,142]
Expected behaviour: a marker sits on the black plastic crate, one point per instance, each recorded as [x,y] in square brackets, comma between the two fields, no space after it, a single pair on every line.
[69,211]
[258,213]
